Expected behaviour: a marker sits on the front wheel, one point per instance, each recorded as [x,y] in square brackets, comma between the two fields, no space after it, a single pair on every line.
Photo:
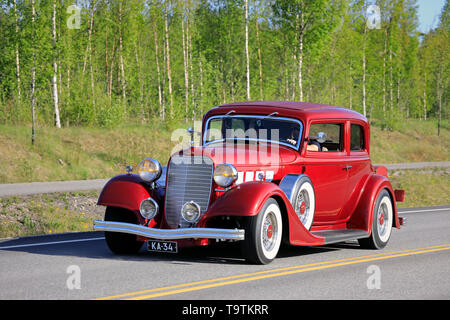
[381,223]
[263,234]
[121,243]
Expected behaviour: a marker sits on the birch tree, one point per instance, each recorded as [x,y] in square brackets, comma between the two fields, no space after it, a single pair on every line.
[55,69]
[246,49]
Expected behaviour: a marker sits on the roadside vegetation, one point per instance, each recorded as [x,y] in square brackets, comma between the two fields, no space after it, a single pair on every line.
[48,213]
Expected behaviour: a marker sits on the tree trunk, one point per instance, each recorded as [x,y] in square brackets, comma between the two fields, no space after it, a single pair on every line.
[300,56]
[246,49]
[185,63]
[17,52]
[169,73]
[391,86]
[88,47]
[55,70]
[425,102]
[140,72]
[33,74]
[201,83]
[158,71]
[189,50]
[122,67]
[351,86]
[384,73]
[259,61]
[364,71]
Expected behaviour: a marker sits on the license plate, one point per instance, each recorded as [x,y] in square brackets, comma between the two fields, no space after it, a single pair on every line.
[162,246]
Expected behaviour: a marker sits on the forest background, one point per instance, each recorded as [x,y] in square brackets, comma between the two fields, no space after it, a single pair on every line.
[108,62]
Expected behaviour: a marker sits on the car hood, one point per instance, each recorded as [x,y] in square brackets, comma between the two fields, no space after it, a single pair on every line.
[247,156]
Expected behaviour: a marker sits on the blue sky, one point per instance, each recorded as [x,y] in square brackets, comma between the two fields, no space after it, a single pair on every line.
[429,11]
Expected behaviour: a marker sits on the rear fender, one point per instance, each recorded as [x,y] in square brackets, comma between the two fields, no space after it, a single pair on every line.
[126,191]
[247,199]
[363,214]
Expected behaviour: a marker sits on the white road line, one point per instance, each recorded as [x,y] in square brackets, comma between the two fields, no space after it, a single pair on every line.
[429,210]
[47,243]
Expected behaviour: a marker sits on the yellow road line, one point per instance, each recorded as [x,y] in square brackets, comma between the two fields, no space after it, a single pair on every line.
[204,284]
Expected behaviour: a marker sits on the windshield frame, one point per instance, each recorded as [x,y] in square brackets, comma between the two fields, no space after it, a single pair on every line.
[296,147]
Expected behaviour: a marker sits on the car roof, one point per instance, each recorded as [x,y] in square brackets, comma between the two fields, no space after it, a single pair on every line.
[305,110]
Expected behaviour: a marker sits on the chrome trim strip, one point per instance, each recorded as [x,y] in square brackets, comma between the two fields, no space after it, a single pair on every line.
[259,117]
[163,234]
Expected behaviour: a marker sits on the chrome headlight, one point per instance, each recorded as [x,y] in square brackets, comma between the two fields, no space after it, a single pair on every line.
[191,212]
[149,170]
[225,174]
[148,208]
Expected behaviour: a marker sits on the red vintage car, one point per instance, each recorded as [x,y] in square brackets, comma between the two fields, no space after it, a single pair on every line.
[265,172]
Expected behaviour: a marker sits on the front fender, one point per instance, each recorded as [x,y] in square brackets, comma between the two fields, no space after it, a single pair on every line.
[126,191]
[363,214]
[247,199]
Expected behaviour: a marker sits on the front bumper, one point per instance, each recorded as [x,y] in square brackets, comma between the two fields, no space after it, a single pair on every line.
[167,234]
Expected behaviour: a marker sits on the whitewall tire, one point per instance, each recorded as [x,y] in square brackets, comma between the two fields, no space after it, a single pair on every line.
[263,234]
[382,221]
[304,202]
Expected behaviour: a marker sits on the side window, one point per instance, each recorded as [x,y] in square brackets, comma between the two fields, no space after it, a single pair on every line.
[357,138]
[326,137]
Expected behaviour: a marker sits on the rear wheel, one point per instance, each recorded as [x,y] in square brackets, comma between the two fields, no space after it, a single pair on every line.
[305,202]
[121,243]
[381,223]
[263,234]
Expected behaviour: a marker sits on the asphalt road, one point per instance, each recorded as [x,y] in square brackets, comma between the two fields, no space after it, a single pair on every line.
[414,265]
[15,189]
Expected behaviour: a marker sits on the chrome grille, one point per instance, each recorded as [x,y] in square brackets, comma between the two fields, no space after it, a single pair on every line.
[188,179]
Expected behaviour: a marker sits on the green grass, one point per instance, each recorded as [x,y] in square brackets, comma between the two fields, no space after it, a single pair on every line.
[424,187]
[79,153]
[48,213]
[413,141]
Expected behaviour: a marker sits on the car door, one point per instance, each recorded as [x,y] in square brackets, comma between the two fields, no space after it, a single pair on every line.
[327,169]
[358,165]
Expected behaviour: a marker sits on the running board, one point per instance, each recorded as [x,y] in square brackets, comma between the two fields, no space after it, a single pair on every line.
[340,235]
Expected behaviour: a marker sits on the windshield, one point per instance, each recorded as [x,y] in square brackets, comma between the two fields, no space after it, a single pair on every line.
[242,128]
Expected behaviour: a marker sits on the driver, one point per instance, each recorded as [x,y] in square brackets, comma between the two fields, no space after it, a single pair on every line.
[294,136]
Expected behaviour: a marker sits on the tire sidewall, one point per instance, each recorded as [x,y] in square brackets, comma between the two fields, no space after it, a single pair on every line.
[253,245]
[270,207]
[380,241]
[305,184]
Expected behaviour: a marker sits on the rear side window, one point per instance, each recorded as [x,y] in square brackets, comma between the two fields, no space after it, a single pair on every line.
[357,142]
[333,133]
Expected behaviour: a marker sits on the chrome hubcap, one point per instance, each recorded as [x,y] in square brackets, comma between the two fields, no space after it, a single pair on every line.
[382,218]
[302,206]
[270,231]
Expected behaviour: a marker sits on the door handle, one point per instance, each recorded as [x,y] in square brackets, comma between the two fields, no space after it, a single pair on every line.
[348,168]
